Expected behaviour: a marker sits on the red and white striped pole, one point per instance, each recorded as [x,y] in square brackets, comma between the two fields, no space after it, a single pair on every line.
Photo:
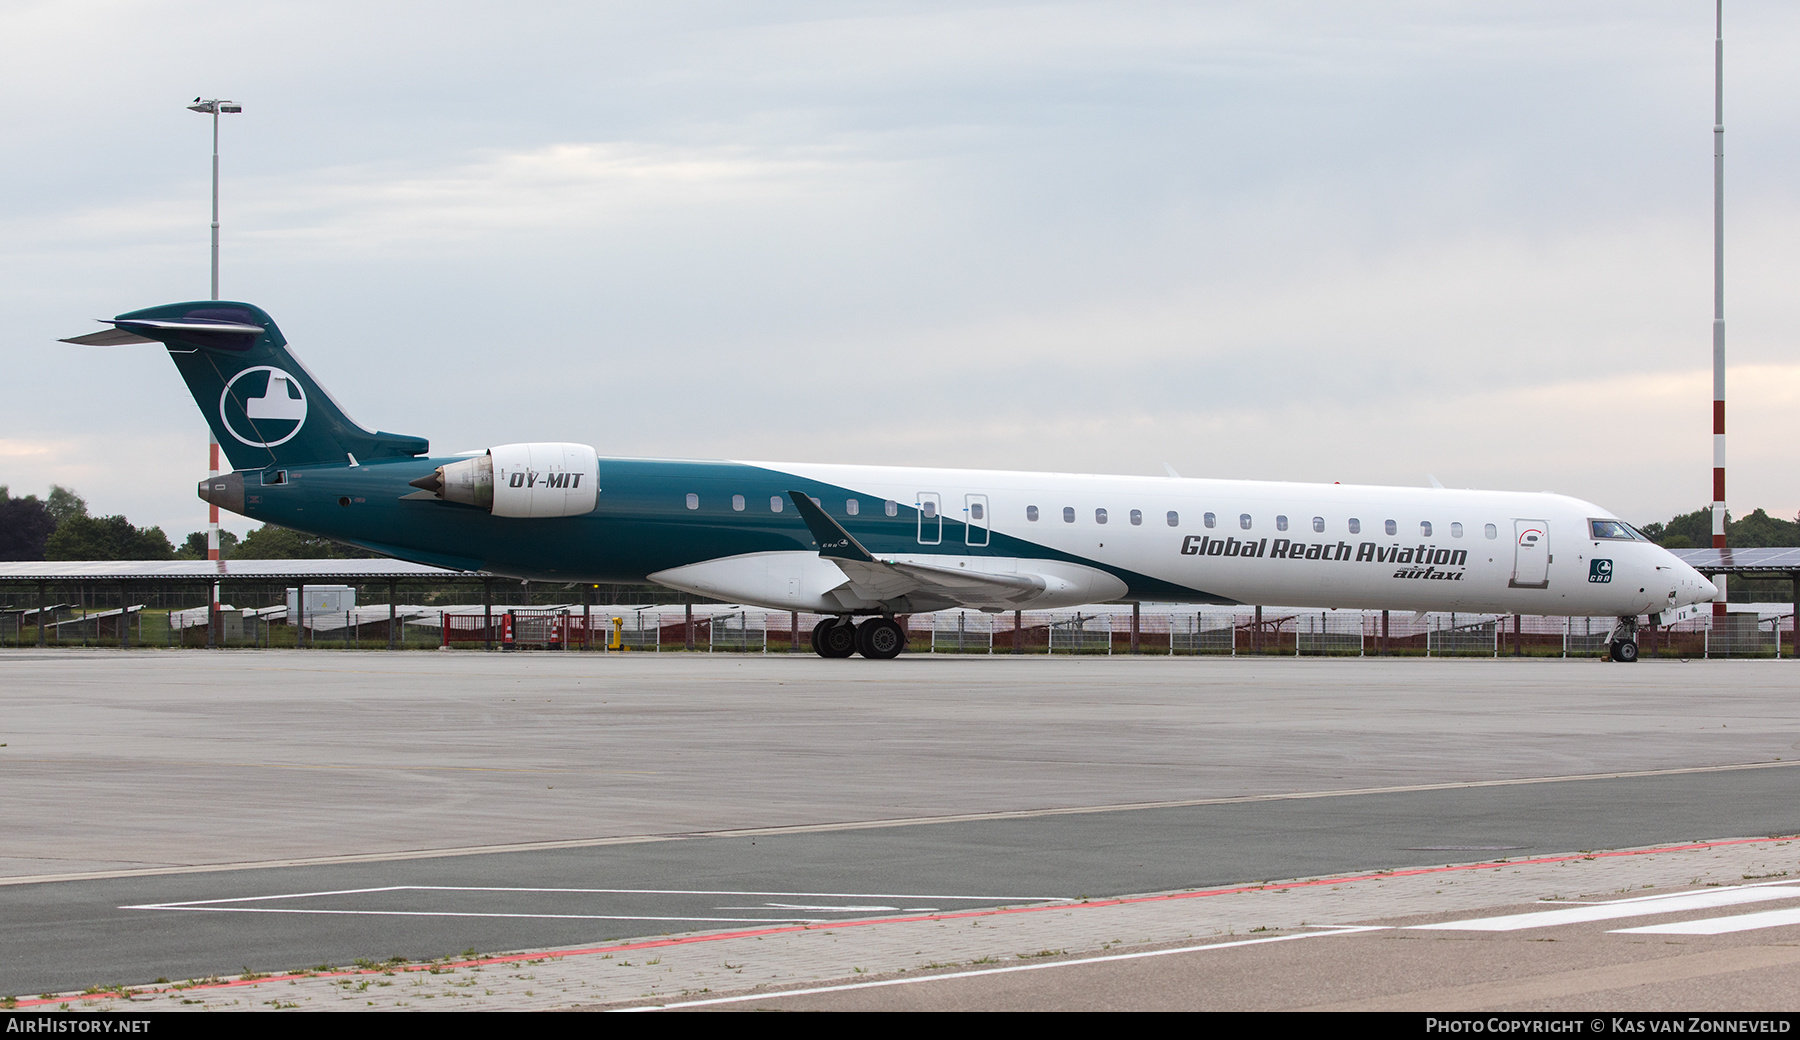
[1718,497]
[212,508]
[212,532]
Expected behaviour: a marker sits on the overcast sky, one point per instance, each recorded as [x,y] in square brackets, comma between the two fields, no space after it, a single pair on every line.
[1358,242]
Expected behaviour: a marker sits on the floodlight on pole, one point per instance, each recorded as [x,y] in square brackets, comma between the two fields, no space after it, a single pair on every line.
[215,107]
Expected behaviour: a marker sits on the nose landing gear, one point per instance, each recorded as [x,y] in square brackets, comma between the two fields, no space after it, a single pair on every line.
[1622,646]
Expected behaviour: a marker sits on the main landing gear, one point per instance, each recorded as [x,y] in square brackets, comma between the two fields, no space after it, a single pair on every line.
[878,638]
[1622,646]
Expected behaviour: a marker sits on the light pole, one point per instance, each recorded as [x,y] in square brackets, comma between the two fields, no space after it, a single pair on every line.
[1718,502]
[215,107]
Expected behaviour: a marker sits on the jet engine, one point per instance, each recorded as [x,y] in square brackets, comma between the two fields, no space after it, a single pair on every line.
[521,480]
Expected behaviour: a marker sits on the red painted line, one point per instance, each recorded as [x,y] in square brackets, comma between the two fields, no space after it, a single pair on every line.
[751,933]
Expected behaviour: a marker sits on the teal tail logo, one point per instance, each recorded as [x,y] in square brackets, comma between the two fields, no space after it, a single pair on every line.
[263,406]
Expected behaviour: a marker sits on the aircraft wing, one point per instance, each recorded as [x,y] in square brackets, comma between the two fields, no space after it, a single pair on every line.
[887,581]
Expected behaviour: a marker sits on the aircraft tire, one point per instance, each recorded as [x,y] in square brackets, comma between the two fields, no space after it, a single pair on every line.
[815,639]
[880,639]
[1625,650]
[834,638]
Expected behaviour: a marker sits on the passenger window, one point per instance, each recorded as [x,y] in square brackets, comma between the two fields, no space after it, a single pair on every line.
[1318,525]
[1490,531]
[975,510]
[737,502]
[1244,521]
[1099,516]
[852,507]
[1068,514]
[1210,520]
[1280,522]
[1137,517]
[774,503]
[1355,526]
[1174,518]
[1390,526]
[1424,529]
[1455,530]
[929,509]
[891,507]
[693,501]
[816,502]
[1031,513]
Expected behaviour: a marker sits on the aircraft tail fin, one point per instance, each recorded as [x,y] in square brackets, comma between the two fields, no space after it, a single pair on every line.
[263,405]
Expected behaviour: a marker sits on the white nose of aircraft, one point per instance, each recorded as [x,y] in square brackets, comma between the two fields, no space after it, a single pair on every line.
[1690,585]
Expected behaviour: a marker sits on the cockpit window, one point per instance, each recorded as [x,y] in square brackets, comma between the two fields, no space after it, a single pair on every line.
[1616,530]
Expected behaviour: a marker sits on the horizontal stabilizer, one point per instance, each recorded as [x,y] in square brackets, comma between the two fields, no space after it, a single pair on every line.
[150,325]
[108,338]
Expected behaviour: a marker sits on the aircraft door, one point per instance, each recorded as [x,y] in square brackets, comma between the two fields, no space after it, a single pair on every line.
[975,517]
[1531,554]
[931,518]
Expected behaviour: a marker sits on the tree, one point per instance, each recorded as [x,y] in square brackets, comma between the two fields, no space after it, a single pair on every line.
[1694,530]
[270,542]
[1760,530]
[194,548]
[64,503]
[83,537]
[24,526]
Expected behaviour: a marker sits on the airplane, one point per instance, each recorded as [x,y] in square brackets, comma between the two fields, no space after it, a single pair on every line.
[861,544]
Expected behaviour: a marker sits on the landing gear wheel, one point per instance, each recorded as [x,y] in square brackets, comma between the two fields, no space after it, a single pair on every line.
[833,637]
[880,639]
[1625,650]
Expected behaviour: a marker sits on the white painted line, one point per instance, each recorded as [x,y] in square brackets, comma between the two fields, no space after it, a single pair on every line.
[1641,906]
[257,899]
[604,891]
[235,904]
[457,913]
[1720,925]
[915,980]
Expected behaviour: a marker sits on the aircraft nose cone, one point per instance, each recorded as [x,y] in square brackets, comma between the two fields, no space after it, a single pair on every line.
[225,491]
[1695,587]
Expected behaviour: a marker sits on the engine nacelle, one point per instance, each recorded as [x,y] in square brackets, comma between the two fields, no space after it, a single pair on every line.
[522,480]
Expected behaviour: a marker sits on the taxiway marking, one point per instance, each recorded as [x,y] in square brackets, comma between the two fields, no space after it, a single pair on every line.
[235,904]
[1721,925]
[1640,906]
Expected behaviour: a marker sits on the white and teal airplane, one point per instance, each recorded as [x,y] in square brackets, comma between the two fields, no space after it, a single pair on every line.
[861,544]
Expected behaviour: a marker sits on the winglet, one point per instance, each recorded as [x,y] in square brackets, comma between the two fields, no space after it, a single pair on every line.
[834,541]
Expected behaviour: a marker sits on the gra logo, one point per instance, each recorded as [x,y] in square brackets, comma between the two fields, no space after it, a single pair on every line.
[263,406]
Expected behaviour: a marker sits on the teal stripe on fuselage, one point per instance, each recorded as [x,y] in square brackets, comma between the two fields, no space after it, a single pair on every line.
[641,525]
